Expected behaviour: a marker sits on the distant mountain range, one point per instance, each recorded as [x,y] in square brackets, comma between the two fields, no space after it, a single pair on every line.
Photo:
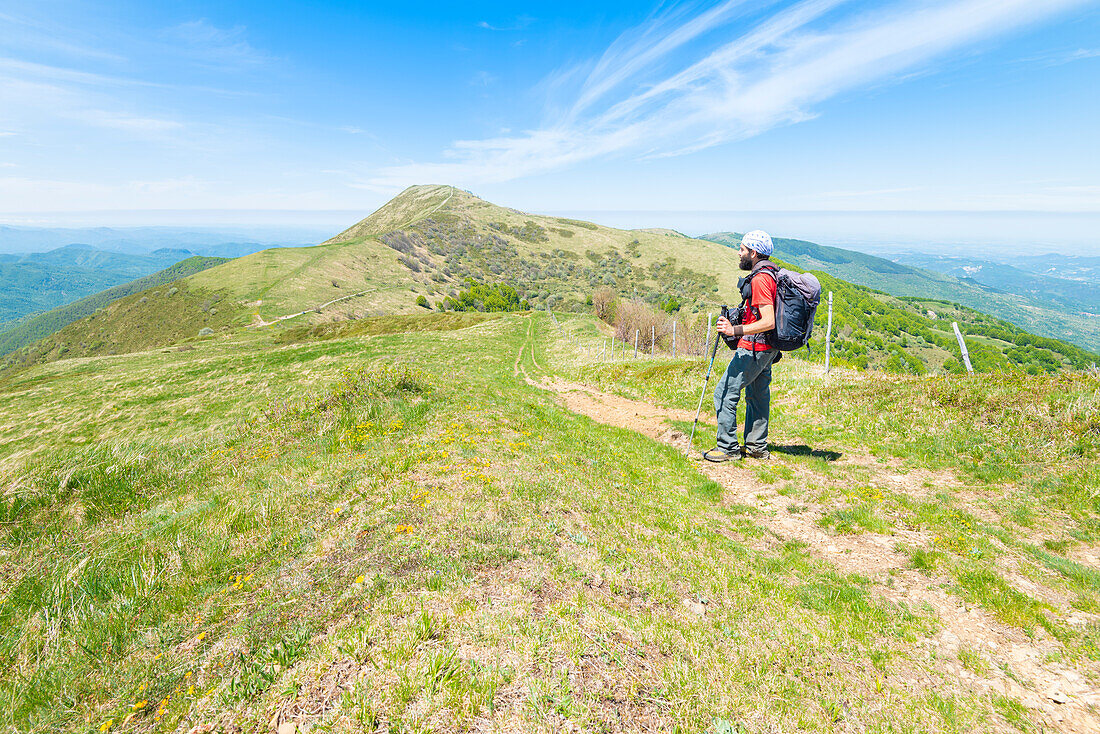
[1065,267]
[33,282]
[42,281]
[1032,298]
[1074,285]
[209,241]
[430,242]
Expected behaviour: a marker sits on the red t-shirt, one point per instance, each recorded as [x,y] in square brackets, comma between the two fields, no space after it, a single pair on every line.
[763,293]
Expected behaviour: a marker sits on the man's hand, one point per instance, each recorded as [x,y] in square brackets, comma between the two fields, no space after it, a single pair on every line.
[725,327]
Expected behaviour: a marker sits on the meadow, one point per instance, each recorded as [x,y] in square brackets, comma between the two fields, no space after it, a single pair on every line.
[382,525]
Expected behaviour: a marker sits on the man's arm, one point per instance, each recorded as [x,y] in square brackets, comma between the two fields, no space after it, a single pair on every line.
[765,323]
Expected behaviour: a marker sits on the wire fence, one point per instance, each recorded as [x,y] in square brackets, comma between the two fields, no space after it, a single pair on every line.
[640,333]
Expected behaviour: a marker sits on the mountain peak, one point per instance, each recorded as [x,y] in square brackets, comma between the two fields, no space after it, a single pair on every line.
[411,205]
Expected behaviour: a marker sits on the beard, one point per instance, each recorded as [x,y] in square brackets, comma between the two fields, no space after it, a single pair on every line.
[746,262]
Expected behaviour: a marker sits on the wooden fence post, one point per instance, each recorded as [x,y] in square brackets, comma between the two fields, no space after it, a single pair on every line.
[829,333]
[962,347]
[652,338]
[706,344]
[635,343]
[674,339]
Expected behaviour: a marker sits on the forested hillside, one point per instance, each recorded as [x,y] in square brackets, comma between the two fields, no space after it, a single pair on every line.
[41,281]
[40,326]
[1040,307]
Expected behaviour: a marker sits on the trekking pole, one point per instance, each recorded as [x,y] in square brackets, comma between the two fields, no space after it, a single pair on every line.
[691,438]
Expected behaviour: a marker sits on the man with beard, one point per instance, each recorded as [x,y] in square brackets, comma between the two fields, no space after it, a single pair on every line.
[750,369]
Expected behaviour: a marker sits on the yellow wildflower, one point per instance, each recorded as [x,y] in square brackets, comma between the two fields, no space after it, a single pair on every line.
[139,705]
[106,725]
[360,579]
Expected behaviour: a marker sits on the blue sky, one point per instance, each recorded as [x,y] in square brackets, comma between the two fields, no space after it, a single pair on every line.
[815,105]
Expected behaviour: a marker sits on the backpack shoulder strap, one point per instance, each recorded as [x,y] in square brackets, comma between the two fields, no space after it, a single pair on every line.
[766,266]
[744,285]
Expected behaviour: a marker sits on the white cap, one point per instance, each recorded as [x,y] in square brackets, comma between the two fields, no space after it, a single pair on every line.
[758,240]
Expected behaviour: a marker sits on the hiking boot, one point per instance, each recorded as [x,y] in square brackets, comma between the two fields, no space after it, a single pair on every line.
[717,455]
[762,454]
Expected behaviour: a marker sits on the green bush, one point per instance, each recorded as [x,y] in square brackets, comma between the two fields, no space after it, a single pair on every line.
[487,298]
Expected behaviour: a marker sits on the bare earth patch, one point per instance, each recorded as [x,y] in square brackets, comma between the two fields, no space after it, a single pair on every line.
[1016,665]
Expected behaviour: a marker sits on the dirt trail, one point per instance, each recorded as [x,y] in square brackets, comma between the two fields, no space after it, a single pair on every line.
[1016,665]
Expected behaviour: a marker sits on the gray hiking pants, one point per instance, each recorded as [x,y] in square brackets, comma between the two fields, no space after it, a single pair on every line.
[754,376]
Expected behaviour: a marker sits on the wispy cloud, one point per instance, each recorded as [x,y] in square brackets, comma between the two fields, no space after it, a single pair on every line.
[31,70]
[208,45]
[1058,58]
[520,23]
[43,95]
[127,122]
[37,35]
[643,98]
[867,192]
[482,79]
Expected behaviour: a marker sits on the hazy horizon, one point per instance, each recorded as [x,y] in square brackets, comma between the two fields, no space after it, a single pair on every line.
[977,233]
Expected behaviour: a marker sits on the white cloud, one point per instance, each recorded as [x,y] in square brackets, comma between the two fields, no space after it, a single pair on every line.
[123,121]
[521,22]
[1058,58]
[208,45]
[37,35]
[483,79]
[867,192]
[771,74]
[18,68]
[34,96]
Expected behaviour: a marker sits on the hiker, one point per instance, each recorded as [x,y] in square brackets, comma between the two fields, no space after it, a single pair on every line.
[750,369]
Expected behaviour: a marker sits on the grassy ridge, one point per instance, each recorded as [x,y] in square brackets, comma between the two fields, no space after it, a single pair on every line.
[426,243]
[38,327]
[423,542]
[157,316]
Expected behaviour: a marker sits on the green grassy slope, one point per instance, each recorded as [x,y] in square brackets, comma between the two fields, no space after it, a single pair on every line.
[264,285]
[34,328]
[390,530]
[429,240]
[1047,315]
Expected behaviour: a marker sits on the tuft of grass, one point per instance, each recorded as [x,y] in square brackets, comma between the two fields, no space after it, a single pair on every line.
[1014,712]
[856,519]
[983,586]
[926,561]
